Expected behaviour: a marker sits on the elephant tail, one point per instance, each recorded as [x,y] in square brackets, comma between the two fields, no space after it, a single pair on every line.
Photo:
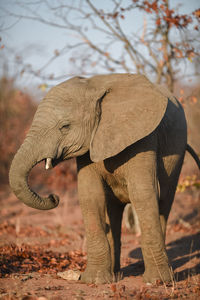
[194,155]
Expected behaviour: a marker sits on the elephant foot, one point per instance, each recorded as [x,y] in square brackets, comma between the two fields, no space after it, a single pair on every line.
[163,274]
[97,276]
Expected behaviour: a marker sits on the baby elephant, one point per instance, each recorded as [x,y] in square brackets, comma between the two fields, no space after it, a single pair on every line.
[129,137]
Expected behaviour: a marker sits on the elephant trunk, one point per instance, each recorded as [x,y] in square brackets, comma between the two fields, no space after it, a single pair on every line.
[21,166]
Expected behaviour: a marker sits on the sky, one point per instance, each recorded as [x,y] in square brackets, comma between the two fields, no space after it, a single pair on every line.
[36,42]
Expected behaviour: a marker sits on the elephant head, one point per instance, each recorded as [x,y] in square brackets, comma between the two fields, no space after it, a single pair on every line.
[103,115]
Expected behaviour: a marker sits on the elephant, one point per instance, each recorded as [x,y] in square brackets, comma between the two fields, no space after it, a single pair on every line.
[131,219]
[129,138]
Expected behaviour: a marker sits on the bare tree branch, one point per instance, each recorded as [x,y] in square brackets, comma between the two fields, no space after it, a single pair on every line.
[96,35]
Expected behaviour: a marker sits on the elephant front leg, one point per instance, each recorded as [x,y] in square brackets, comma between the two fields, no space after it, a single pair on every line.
[93,204]
[144,196]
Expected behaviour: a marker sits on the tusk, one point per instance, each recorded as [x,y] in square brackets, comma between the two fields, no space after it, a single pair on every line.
[48,164]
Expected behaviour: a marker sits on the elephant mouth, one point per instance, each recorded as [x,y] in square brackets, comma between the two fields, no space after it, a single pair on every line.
[50,163]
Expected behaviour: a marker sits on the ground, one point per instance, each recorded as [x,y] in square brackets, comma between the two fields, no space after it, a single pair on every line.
[36,245]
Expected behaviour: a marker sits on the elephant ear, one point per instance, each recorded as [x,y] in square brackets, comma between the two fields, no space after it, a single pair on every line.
[132,108]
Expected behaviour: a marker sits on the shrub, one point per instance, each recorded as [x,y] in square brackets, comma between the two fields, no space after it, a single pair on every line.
[16,111]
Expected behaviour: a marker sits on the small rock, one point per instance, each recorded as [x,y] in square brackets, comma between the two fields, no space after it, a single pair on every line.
[70,275]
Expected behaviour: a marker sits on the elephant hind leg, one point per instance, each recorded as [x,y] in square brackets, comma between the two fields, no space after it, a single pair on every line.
[114,213]
[143,193]
[172,142]
[168,180]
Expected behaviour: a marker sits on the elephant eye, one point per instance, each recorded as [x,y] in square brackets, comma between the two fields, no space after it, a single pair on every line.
[65,128]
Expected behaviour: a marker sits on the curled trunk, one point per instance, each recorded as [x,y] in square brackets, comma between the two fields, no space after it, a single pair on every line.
[23,162]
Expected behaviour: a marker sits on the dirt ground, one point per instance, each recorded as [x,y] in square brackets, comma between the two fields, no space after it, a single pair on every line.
[36,245]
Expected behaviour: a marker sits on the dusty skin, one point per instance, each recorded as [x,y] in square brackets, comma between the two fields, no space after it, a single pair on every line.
[136,156]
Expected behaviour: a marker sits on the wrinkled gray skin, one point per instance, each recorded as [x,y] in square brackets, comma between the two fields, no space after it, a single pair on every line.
[129,137]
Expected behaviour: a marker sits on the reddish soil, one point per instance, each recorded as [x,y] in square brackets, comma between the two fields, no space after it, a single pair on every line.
[35,245]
